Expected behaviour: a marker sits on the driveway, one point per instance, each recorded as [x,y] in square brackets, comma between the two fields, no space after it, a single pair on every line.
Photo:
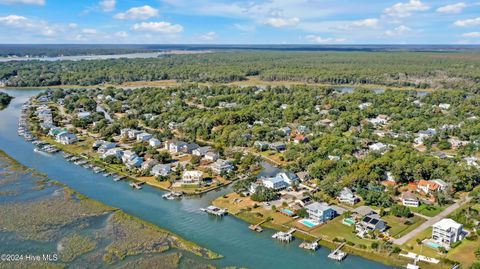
[402,240]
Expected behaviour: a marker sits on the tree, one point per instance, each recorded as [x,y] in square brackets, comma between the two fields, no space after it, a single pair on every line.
[400,211]
[263,194]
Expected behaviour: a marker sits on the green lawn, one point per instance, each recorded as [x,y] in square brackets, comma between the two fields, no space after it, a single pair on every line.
[398,226]
[335,228]
[427,210]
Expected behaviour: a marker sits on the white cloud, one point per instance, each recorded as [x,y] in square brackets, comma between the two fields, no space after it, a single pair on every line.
[28,2]
[138,13]
[454,8]
[467,23]
[280,22]
[159,27]
[90,31]
[121,34]
[397,31]
[108,5]
[372,22]
[321,40]
[72,25]
[24,24]
[402,10]
[210,36]
[472,34]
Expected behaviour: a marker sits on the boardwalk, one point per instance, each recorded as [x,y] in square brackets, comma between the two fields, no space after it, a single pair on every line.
[402,240]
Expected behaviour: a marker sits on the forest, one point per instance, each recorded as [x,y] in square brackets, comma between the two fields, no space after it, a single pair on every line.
[436,70]
[331,119]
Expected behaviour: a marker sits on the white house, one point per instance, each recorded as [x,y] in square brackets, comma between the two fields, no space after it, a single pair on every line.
[66,138]
[410,199]
[192,177]
[444,106]
[211,156]
[320,212]
[143,137]
[274,183]
[105,146]
[201,151]
[222,166]
[154,143]
[117,152]
[135,162]
[83,115]
[364,106]
[147,165]
[446,232]
[346,196]
[160,170]
[132,134]
[378,147]
[175,146]
[128,155]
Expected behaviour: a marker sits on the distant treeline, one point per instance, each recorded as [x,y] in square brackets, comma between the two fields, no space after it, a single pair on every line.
[452,70]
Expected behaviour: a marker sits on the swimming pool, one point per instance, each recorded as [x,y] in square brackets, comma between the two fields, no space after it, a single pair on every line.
[433,245]
[308,223]
[348,221]
[287,211]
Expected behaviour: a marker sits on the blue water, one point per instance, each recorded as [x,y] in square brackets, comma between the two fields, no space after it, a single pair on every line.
[307,223]
[228,236]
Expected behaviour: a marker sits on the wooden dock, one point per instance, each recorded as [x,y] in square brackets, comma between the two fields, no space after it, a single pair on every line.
[337,254]
[256,227]
[314,246]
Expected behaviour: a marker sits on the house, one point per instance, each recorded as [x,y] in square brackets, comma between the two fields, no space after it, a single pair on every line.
[135,162]
[372,222]
[147,165]
[410,199]
[105,146]
[201,151]
[300,139]
[128,155]
[83,115]
[154,143]
[124,132]
[447,232]
[66,138]
[320,212]
[364,106]
[346,196]
[378,147]
[117,152]
[444,106]
[192,177]
[289,177]
[379,120]
[472,161]
[211,156]
[161,170]
[274,183]
[427,186]
[261,145]
[175,146]
[54,131]
[253,187]
[143,137]
[456,143]
[278,146]
[132,134]
[303,176]
[222,166]
[286,131]
[442,184]
[302,129]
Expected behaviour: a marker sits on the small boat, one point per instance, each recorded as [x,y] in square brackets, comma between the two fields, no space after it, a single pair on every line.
[172,195]
[136,185]
[118,178]
[107,174]
[213,210]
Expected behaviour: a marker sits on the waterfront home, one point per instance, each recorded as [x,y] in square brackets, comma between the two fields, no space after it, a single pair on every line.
[128,155]
[446,232]
[211,156]
[105,146]
[147,165]
[143,137]
[201,151]
[371,222]
[175,146]
[274,183]
[346,196]
[117,152]
[154,143]
[135,162]
[320,212]
[56,131]
[83,115]
[222,166]
[410,199]
[192,178]
[288,177]
[161,170]
[300,139]
[66,138]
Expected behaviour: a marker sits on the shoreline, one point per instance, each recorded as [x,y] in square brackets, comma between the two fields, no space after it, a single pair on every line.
[389,259]
[184,244]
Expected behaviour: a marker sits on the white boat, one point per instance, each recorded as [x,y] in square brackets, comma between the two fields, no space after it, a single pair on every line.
[216,211]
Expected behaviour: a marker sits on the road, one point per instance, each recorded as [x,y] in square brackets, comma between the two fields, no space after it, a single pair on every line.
[402,240]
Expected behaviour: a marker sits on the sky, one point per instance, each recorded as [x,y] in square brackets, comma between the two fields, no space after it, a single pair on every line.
[240,21]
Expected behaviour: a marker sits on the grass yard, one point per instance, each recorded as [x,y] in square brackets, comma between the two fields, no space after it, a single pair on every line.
[464,253]
[427,210]
[398,228]
[336,229]
[412,245]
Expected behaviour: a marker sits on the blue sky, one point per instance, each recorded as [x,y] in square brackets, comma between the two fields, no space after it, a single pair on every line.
[241,21]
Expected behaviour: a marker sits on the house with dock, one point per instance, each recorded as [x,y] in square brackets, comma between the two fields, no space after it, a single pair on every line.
[320,212]
[192,178]
[446,232]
